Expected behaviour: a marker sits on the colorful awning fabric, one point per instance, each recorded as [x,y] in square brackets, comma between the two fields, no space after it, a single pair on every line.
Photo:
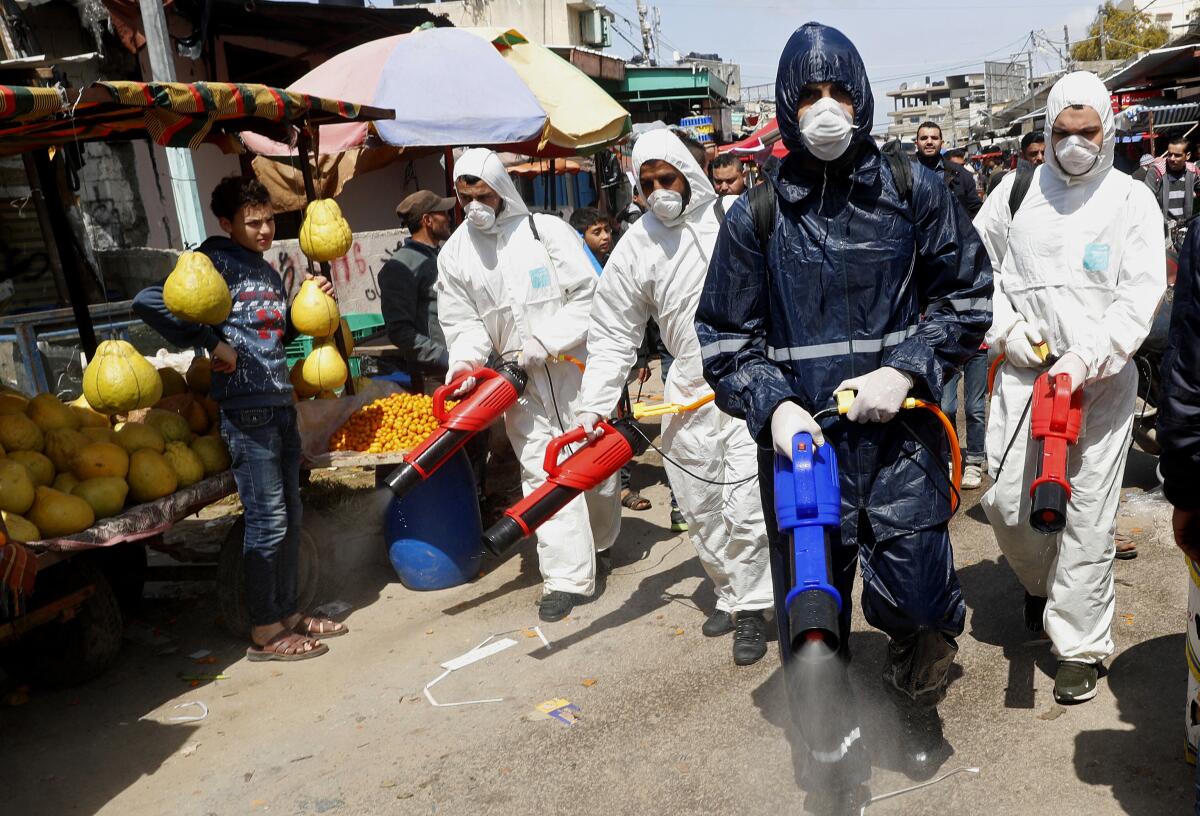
[172,114]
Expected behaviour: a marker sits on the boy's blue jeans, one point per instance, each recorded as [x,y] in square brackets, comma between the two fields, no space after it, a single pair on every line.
[974,376]
[264,444]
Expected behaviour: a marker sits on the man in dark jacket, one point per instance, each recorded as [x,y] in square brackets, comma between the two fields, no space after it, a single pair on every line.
[859,286]
[407,286]
[958,179]
[1179,435]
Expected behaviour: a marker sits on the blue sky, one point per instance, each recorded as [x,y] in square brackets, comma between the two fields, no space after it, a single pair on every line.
[902,40]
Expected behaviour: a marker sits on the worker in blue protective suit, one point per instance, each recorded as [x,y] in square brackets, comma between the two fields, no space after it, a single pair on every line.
[856,282]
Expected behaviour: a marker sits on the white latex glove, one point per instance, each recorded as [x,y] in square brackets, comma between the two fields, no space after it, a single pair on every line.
[878,395]
[588,420]
[1018,346]
[533,354]
[1074,366]
[788,420]
[457,369]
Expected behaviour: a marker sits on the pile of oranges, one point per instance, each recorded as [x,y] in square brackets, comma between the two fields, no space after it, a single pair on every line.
[398,422]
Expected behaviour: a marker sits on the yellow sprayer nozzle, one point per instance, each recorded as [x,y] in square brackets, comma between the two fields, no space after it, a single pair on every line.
[1042,350]
[844,400]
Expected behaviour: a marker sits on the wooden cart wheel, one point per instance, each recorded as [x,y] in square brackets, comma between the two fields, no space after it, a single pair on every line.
[231,581]
[81,644]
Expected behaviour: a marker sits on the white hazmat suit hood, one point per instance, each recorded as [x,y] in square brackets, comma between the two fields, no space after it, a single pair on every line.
[1081,88]
[656,272]
[485,164]
[663,145]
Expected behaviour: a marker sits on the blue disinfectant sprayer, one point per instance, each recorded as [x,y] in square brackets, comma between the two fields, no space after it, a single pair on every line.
[808,507]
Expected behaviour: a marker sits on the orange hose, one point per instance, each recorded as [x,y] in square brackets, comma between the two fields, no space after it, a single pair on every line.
[955,450]
[575,361]
[992,369]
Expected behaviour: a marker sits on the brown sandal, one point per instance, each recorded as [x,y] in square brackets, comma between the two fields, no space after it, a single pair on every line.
[313,627]
[634,500]
[285,646]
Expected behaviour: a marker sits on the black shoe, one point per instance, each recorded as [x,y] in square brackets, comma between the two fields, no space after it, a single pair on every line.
[718,623]
[678,522]
[554,606]
[749,637]
[922,741]
[1035,610]
[1075,681]
[603,562]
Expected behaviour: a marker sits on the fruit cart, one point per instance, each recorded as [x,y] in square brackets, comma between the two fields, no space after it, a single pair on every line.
[69,629]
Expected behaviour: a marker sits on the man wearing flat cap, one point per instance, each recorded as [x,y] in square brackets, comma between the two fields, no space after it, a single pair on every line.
[408,287]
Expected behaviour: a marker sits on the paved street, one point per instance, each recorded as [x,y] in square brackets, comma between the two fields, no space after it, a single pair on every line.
[666,723]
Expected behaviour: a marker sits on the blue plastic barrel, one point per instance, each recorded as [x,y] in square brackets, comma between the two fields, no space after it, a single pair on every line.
[434,533]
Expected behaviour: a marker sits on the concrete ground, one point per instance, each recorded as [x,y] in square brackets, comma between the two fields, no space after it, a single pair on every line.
[666,723]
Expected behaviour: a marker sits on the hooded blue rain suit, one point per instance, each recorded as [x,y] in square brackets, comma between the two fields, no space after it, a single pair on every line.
[855,276]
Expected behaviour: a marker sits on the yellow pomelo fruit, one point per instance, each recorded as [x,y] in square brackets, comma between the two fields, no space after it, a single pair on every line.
[12,403]
[105,494]
[196,292]
[134,436]
[16,488]
[89,417]
[59,514]
[101,459]
[19,432]
[171,425]
[62,445]
[324,369]
[199,375]
[325,234]
[39,466]
[188,467]
[20,528]
[313,312]
[213,454]
[99,434]
[150,476]
[119,380]
[303,389]
[49,413]
[173,382]
[64,482]
[212,410]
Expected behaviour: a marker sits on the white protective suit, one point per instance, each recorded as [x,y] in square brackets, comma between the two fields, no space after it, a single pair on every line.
[1083,263]
[495,290]
[657,271]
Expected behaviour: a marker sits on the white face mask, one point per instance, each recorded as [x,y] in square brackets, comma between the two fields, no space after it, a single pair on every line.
[666,204]
[480,215]
[1076,155]
[826,129]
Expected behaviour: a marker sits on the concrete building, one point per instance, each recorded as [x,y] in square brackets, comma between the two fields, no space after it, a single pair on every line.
[551,22]
[1173,15]
[956,103]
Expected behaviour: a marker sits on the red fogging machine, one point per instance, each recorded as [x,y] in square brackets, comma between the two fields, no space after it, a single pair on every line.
[495,392]
[586,468]
[1055,422]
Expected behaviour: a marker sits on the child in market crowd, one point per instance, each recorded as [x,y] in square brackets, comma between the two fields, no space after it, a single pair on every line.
[258,416]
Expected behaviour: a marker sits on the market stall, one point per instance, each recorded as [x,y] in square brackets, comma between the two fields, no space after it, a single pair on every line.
[74,614]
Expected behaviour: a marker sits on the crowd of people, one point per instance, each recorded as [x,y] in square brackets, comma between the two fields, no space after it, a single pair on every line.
[841,270]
